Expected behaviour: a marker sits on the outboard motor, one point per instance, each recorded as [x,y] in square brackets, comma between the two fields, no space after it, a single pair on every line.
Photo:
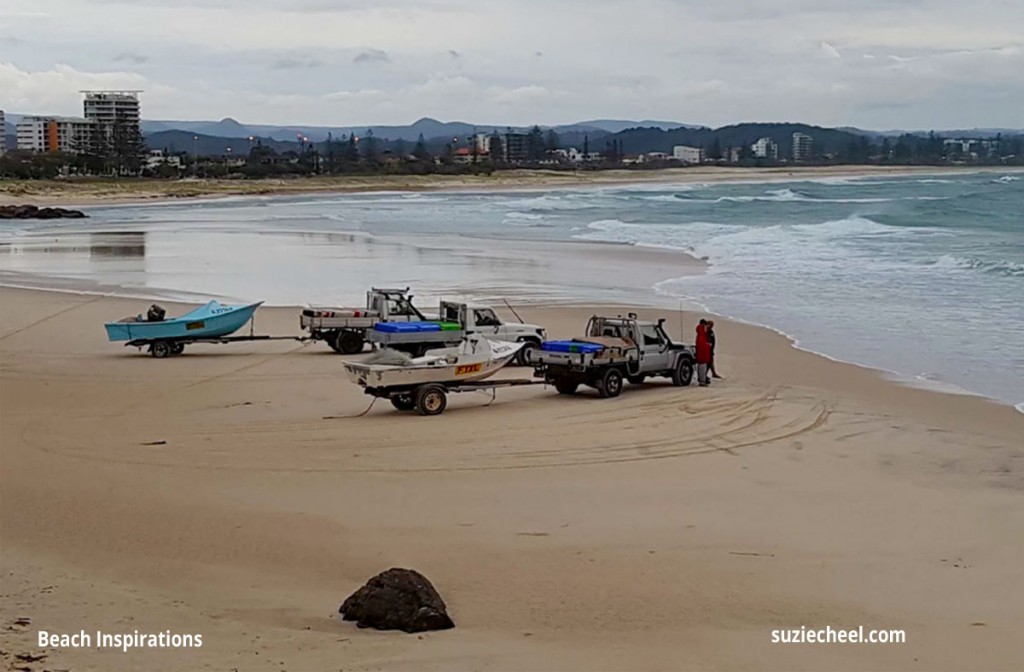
[155,314]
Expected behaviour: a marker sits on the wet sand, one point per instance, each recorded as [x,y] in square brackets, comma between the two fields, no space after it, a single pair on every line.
[671,528]
[99,191]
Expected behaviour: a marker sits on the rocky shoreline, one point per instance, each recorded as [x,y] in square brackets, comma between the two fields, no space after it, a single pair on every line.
[33,212]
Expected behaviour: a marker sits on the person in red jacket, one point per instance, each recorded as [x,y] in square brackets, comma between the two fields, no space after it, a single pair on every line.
[703,353]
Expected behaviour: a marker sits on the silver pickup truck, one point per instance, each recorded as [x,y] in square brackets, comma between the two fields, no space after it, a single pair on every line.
[614,349]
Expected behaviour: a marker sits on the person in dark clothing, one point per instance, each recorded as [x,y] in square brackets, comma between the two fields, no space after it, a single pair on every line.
[711,342]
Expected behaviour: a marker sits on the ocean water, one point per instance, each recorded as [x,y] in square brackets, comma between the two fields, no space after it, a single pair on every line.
[922,277]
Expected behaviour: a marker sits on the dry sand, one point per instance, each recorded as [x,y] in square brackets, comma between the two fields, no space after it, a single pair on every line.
[666,529]
[96,191]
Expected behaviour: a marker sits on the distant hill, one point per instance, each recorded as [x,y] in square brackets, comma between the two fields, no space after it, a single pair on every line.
[209,145]
[429,128]
[638,140]
[618,125]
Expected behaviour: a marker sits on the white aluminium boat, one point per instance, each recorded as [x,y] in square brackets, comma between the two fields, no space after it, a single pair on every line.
[475,358]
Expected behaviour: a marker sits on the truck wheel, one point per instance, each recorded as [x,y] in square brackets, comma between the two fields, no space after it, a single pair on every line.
[683,373]
[348,343]
[403,402]
[566,386]
[431,400]
[610,384]
[636,380]
[160,349]
[523,356]
[332,338]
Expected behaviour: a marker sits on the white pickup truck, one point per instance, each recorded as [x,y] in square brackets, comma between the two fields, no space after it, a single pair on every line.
[471,318]
[614,349]
[345,329]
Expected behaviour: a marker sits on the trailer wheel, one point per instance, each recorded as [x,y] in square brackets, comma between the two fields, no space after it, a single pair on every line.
[331,337]
[403,402]
[566,386]
[610,384]
[523,356]
[431,400]
[160,349]
[683,373]
[348,342]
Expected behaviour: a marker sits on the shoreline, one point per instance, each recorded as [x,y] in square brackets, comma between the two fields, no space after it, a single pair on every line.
[93,192]
[890,377]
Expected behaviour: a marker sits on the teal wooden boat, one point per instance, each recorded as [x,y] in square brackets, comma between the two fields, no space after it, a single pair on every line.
[210,322]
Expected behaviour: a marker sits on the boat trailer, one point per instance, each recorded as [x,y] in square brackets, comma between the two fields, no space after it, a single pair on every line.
[432,398]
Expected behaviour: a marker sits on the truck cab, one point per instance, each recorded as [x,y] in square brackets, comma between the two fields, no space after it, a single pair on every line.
[482,319]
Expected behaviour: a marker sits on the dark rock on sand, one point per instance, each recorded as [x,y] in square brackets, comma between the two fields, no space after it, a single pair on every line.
[32,212]
[398,599]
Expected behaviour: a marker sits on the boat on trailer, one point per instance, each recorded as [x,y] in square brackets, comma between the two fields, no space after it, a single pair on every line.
[421,383]
[213,322]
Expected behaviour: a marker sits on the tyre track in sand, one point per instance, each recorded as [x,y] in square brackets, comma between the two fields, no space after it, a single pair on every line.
[678,426]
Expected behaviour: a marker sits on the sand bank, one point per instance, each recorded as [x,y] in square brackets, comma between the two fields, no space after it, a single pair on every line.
[666,529]
[98,191]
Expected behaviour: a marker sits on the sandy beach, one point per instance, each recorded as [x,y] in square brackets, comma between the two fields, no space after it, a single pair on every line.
[99,191]
[667,529]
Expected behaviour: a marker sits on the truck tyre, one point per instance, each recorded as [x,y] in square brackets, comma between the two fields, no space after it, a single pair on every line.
[348,342]
[403,402]
[566,386]
[331,338]
[609,385]
[523,356]
[683,373]
[431,400]
[636,380]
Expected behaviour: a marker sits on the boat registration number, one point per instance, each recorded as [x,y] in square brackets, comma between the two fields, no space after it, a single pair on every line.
[192,326]
[468,368]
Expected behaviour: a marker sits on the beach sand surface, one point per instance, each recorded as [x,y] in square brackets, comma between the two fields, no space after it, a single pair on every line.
[222,493]
[97,191]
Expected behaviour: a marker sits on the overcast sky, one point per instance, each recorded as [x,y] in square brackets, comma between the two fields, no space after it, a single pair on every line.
[871,63]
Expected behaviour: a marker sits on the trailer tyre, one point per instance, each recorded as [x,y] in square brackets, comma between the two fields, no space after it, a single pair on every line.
[431,400]
[160,349]
[177,348]
[610,384]
[683,373]
[403,402]
[347,342]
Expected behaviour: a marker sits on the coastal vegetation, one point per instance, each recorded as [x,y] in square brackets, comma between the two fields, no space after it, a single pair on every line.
[176,154]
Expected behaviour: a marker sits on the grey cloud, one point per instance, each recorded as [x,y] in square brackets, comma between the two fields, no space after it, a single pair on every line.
[131,57]
[296,63]
[371,56]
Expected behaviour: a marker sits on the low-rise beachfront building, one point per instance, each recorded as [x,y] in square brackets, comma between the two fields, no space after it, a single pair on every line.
[765,148]
[55,134]
[803,145]
[686,154]
[157,158]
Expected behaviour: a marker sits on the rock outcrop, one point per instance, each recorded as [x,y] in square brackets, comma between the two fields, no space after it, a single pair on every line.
[398,599]
[32,212]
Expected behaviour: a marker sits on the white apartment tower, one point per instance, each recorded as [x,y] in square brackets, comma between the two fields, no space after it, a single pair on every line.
[106,107]
[765,148]
[802,144]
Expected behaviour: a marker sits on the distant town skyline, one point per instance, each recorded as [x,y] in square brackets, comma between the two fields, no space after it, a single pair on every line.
[878,64]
